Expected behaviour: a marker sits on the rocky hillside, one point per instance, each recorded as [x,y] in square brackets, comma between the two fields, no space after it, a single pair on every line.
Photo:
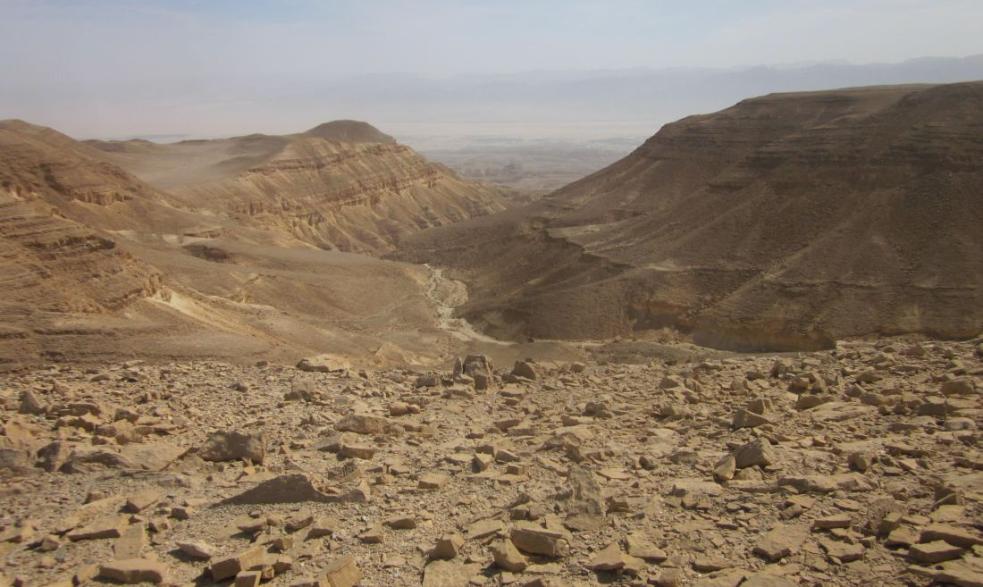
[52,267]
[41,162]
[341,185]
[77,182]
[52,263]
[786,221]
[95,263]
[855,467]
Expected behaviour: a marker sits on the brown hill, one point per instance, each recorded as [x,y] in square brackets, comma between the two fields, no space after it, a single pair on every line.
[49,164]
[43,166]
[97,265]
[52,265]
[341,185]
[349,131]
[786,221]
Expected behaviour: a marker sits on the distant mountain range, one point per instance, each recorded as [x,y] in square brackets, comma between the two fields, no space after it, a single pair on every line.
[655,95]
[650,96]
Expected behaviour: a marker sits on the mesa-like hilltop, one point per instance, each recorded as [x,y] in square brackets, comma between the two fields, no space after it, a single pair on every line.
[784,222]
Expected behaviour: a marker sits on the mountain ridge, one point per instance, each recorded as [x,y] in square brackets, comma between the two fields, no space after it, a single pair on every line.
[786,221]
[98,263]
[341,184]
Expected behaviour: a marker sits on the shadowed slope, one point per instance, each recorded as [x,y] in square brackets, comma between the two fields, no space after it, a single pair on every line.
[783,222]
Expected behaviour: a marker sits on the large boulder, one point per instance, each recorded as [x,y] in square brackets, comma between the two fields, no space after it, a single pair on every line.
[367,424]
[326,363]
[477,365]
[234,446]
[14,460]
[524,369]
[292,488]
[757,453]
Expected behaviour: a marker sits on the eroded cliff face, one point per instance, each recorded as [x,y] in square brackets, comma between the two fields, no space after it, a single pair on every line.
[52,268]
[39,161]
[341,185]
[52,265]
[56,265]
[784,222]
[349,196]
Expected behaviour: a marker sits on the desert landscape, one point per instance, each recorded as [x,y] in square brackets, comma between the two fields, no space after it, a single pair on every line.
[745,351]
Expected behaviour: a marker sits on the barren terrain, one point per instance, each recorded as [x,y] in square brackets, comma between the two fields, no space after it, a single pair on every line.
[341,185]
[100,264]
[858,465]
[785,222]
[321,360]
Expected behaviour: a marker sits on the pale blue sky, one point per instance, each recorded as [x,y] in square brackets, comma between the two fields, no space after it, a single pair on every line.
[179,38]
[101,56]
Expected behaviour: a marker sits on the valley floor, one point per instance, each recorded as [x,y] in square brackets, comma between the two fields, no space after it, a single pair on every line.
[856,466]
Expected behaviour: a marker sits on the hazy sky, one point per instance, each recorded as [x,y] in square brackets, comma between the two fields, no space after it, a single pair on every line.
[105,64]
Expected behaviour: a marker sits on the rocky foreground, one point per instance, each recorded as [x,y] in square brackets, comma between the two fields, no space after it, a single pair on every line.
[857,466]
